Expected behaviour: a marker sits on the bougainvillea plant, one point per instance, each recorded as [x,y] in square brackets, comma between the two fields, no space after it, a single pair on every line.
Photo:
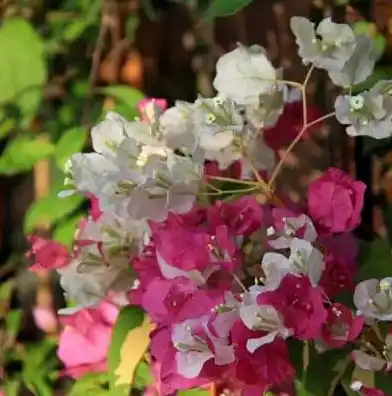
[184,202]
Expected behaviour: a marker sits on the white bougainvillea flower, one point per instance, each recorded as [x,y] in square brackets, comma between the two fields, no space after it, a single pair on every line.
[328,47]
[108,134]
[368,360]
[193,351]
[87,279]
[373,298]
[281,238]
[87,173]
[304,259]
[257,151]
[359,66]
[264,318]
[177,128]
[244,74]
[367,114]
[217,122]
[265,112]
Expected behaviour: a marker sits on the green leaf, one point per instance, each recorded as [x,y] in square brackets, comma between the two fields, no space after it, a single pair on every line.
[37,367]
[14,320]
[130,318]
[194,392]
[11,388]
[379,73]
[383,381]
[221,8]
[124,94]
[143,376]
[89,385]
[296,355]
[70,142]
[78,26]
[65,231]
[321,371]
[370,29]
[50,209]
[376,260]
[22,153]
[22,66]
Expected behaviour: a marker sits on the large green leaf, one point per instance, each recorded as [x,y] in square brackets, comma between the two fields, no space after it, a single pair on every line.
[376,260]
[322,369]
[22,153]
[65,231]
[126,98]
[129,319]
[50,209]
[22,66]
[221,8]
[70,142]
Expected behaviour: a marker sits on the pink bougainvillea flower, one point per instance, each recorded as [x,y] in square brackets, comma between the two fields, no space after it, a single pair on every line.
[175,300]
[335,202]
[337,276]
[243,216]
[290,124]
[150,108]
[211,168]
[341,326]
[47,254]
[268,366]
[300,304]
[45,319]
[85,339]
[94,211]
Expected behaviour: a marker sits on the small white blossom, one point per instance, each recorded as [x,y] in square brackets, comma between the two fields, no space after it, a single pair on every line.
[264,318]
[304,259]
[373,298]
[368,114]
[328,47]
[244,74]
[358,67]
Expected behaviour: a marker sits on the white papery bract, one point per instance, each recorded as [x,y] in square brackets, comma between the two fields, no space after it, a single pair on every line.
[136,175]
[359,66]
[262,318]
[327,47]
[367,359]
[102,262]
[368,113]
[373,298]
[244,74]
[304,259]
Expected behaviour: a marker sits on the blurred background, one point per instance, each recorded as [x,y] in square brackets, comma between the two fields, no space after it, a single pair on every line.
[64,64]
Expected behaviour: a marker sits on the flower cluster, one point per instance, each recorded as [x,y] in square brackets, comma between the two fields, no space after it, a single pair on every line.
[186,222]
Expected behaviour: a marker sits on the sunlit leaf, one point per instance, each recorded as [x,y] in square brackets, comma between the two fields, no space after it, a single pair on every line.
[126,97]
[22,66]
[65,231]
[70,142]
[50,209]
[22,153]
[129,343]
[13,322]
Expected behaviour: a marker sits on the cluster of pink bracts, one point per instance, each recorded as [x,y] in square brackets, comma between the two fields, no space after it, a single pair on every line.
[188,285]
